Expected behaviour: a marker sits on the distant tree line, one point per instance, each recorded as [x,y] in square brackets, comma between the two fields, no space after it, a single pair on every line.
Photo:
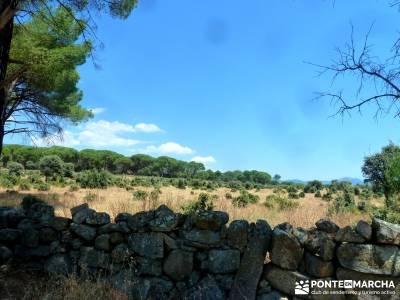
[139,164]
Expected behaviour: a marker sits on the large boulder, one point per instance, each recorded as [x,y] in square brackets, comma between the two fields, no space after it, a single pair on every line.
[385,232]
[59,264]
[202,238]
[237,234]
[9,235]
[60,223]
[30,237]
[165,220]
[93,258]
[86,232]
[210,220]
[147,244]
[321,244]
[372,259]
[10,216]
[97,218]
[37,209]
[326,226]
[364,229]
[48,235]
[110,228]
[121,253]
[252,262]
[283,280]
[148,266]
[223,261]
[317,267]
[346,274]
[179,264]
[80,213]
[286,250]
[348,234]
[6,255]
[139,221]
[28,253]
[207,288]
[102,242]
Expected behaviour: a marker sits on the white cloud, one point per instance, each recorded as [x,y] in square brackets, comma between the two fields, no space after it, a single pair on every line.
[204,159]
[143,127]
[97,110]
[168,148]
[101,134]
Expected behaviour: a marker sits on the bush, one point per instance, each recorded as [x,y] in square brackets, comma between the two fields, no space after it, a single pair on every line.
[94,179]
[203,203]
[343,203]
[51,166]
[228,196]
[387,214]
[280,202]
[140,195]
[245,198]
[318,194]
[15,168]
[44,187]
[24,185]
[30,165]
[74,187]
[302,195]
[68,170]
[293,195]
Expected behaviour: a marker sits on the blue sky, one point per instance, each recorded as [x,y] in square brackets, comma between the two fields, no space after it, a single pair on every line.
[226,83]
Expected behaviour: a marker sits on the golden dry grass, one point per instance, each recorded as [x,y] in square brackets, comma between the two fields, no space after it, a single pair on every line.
[114,200]
[25,285]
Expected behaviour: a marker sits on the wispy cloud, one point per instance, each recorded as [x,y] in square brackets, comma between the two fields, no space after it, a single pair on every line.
[204,159]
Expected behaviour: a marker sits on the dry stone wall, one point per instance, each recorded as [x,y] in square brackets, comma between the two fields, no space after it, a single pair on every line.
[160,254]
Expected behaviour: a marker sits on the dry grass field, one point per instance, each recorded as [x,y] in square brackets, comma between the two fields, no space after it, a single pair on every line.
[114,200]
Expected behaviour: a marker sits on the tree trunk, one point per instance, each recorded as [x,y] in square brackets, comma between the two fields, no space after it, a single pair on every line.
[5,45]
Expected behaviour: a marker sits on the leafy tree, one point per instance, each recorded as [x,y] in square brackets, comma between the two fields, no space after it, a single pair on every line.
[381,170]
[15,168]
[42,91]
[51,166]
[123,165]
[17,68]
[69,169]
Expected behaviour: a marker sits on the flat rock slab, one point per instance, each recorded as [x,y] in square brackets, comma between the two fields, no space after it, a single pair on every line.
[223,261]
[287,251]
[147,244]
[283,280]
[385,232]
[368,258]
[252,264]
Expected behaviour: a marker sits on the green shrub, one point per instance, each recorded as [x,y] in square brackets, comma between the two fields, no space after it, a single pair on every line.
[302,195]
[317,194]
[140,195]
[342,203]
[43,186]
[293,195]
[94,179]
[203,203]
[30,165]
[68,170]
[327,196]
[228,196]
[387,214]
[245,198]
[51,166]
[15,168]
[280,202]
[24,185]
